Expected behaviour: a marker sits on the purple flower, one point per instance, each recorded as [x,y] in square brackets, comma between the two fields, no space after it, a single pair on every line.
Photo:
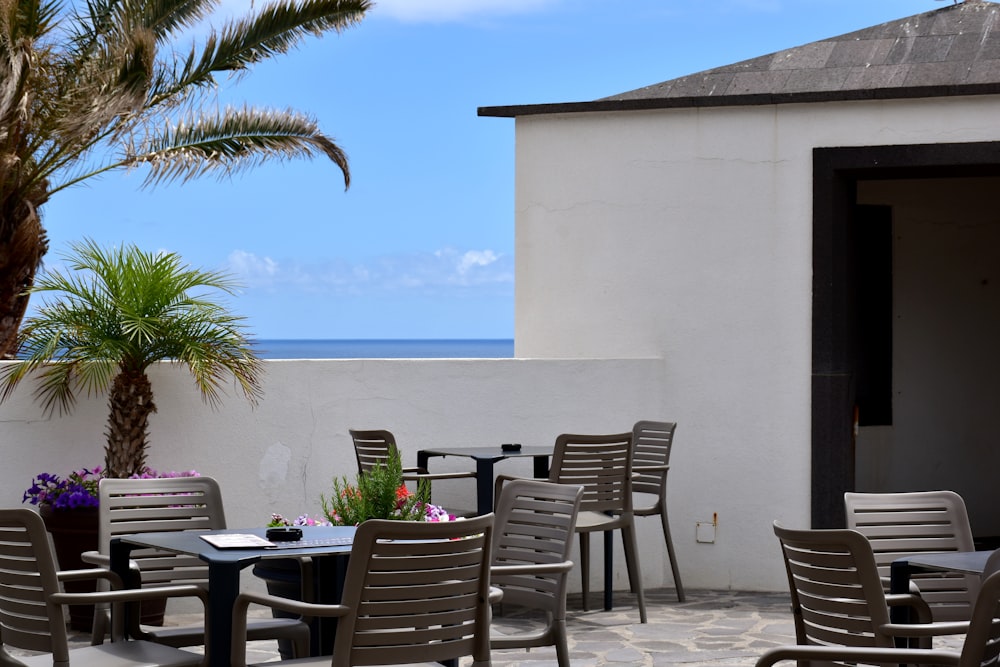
[79,488]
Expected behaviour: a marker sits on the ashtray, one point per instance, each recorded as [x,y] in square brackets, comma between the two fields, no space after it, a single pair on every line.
[284,534]
[511,447]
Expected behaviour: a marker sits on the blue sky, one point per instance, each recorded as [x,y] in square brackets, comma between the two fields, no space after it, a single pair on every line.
[422,244]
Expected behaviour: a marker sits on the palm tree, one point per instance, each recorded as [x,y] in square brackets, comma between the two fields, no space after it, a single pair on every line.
[119,312]
[104,85]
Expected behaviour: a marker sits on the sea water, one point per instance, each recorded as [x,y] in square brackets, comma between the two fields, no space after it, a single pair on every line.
[385,349]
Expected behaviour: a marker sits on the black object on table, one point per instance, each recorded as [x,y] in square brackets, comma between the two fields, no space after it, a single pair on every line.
[224,566]
[486,458]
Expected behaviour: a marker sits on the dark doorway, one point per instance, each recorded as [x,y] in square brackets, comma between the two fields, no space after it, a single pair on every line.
[849,366]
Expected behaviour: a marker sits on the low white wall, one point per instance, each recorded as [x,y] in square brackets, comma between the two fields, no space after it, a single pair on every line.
[282,455]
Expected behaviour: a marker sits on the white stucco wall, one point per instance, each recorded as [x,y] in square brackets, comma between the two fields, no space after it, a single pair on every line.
[687,234]
[282,455]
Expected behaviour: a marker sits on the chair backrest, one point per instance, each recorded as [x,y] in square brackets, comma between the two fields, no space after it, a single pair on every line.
[27,580]
[372,447]
[535,521]
[982,641]
[160,505]
[903,524]
[601,464]
[837,596]
[651,442]
[418,592]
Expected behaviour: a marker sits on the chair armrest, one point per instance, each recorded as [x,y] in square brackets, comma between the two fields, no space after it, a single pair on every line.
[531,568]
[104,560]
[925,629]
[659,468]
[96,558]
[88,574]
[418,476]
[856,654]
[119,597]
[914,602]
[238,657]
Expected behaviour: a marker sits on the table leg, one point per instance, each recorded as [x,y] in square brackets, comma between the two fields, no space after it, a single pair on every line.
[224,586]
[541,464]
[484,486]
[899,582]
[119,564]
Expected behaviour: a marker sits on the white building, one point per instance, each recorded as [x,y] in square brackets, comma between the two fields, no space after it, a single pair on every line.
[796,235]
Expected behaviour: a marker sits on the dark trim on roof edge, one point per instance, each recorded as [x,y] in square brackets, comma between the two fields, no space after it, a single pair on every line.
[646,104]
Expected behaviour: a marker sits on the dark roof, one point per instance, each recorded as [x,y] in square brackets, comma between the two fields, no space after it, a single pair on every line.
[954,50]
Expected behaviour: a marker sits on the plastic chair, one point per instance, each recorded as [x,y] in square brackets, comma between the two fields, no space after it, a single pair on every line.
[602,465]
[535,521]
[415,591]
[172,504]
[981,647]
[372,447]
[837,594]
[903,524]
[31,605]
[652,442]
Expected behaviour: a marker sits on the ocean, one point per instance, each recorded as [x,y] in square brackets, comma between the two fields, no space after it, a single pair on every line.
[384,349]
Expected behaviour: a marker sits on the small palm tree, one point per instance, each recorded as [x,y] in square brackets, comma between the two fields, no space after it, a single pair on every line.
[119,312]
[87,87]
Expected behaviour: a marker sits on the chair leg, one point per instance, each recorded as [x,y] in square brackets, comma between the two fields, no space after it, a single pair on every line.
[673,557]
[585,568]
[558,630]
[634,571]
[100,627]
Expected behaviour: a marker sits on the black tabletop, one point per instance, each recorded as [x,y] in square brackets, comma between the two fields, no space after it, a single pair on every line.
[965,562]
[190,542]
[490,452]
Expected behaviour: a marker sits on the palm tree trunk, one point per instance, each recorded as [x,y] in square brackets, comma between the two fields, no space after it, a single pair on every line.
[130,403]
[22,245]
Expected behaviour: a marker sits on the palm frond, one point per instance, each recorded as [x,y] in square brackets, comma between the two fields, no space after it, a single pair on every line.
[121,311]
[238,139]
[277,28]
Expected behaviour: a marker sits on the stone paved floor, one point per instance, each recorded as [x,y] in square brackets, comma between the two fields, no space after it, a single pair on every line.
[711,629]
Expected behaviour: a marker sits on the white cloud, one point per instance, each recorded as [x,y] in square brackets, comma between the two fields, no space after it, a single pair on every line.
[427,272]
[476,258]
[435,11]
[250,267]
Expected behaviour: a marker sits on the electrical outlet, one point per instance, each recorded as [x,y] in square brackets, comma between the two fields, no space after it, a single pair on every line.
[704,532]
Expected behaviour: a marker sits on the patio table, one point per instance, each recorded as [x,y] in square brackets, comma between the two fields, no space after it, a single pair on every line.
[486,458]
[960,562]
[225,565]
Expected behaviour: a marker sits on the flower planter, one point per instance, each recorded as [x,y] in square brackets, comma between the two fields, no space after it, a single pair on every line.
[283,577]
[73,532]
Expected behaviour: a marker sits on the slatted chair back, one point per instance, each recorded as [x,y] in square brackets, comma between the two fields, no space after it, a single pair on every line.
[535,522]
[652,442]
[837,596]
[163,504]
[418,592]
[28,619]
[601,464]
[372,447]
[904,524]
